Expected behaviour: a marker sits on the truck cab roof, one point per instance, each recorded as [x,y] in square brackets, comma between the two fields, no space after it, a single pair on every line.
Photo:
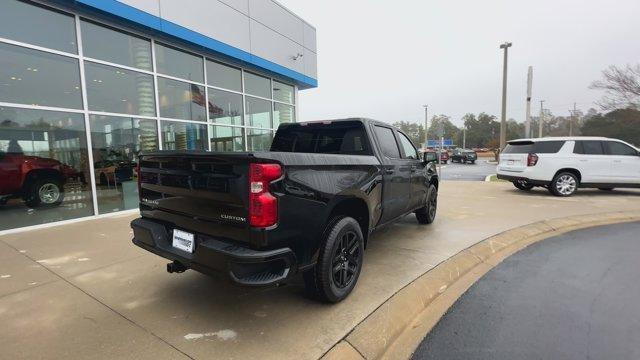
[327,121]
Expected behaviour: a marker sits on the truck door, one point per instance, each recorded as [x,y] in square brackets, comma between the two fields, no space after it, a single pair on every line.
[396,175]
[418,189]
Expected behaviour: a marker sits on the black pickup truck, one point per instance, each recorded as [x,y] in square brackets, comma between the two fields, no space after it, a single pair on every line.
[307,206]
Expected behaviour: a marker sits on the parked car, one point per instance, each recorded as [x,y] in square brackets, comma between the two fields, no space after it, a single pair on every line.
[111,172]
[564,164]
[444,155]
[464,156]
[37,180]
[307,206]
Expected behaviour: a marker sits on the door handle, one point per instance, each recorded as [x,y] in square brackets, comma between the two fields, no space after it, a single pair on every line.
[617,161]
[414,168]
[583,160]
[389,171]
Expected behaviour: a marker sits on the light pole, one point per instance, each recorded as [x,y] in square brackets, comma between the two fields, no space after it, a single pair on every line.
[527,122]
[464,137]
[503,121]
[426,126]
[541,120]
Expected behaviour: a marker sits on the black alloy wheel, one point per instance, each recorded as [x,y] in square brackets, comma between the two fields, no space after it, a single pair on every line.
[427,213]
[346,260]
[340,260]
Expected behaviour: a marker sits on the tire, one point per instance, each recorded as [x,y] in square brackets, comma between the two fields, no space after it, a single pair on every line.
[522,185]
[427,214]
[606,189]
[339,262]
[564,184]
[473,162]
[44,192]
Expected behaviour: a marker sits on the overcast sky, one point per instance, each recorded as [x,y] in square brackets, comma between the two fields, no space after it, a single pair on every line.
[385,59]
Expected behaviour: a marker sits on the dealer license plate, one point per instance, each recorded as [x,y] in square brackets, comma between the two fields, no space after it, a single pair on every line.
[183,240]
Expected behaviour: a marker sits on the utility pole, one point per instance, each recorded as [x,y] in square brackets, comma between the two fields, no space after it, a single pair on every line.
[503,122]
[541,120]
[527,121]
[573,114]
[426,126]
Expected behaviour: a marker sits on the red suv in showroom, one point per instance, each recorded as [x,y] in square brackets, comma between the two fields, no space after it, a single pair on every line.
[38,181]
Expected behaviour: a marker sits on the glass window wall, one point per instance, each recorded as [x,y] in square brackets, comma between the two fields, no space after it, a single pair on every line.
[35,77]
[117,90]
[258,112]
[225,107]
[257,85]
[283,114]
[178,63]
[226,138]
[283,92]
[36,25]
[104,43]
[259,140]
[224,76]
[181,100]
[183,136]
[116,143]
[129,109]
[44,167]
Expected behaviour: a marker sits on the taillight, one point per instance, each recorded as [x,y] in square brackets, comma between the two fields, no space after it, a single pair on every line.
[263,206]
[532,160]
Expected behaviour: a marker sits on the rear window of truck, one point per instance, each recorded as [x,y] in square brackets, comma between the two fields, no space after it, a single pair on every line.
[339,137]
[527,147]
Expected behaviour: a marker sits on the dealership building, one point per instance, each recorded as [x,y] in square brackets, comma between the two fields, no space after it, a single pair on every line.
[86,85]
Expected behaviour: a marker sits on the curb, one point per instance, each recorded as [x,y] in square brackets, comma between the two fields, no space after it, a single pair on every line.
[396,328]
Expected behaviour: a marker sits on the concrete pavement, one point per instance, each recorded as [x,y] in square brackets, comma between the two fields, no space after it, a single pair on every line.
[573,296]
[83,289]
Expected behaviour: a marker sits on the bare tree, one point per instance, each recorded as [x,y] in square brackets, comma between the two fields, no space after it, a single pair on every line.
[621,87]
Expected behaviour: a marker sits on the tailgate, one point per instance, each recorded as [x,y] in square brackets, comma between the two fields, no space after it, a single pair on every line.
[203,192]
[513,162]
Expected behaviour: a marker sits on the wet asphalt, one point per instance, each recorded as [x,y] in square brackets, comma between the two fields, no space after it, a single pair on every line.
[573,296]
[468,172]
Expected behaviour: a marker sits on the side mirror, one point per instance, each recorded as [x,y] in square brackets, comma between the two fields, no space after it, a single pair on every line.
[430,157]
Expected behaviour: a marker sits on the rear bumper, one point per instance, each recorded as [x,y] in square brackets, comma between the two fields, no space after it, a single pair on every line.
[522,178]
[211,256]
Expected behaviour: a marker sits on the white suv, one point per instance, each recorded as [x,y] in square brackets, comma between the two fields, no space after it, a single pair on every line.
[562,164]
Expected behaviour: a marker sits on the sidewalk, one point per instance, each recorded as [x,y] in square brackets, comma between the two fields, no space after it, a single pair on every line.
[83,290]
